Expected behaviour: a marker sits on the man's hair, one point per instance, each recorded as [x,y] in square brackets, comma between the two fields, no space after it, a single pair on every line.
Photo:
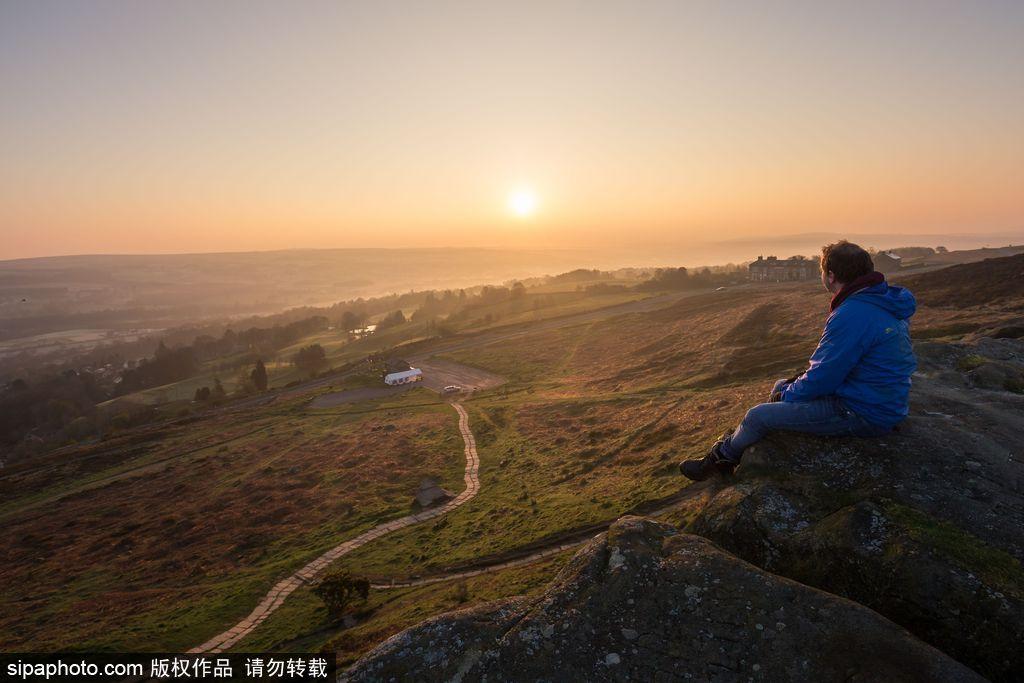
[846,260]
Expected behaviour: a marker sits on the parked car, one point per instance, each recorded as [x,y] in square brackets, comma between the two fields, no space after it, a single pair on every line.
[452,389]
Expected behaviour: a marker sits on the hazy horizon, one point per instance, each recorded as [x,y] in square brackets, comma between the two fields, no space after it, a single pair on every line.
[692,255]
[187,128]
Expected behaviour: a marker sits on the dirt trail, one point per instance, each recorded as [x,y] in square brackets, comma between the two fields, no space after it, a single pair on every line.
[285,587]
[281,590]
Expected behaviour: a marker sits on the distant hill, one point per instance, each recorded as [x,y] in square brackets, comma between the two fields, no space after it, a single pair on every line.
[973,255]
[970,284]
[44,295]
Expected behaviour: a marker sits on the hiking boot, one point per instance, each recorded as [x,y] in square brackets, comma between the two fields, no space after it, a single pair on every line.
[711,464]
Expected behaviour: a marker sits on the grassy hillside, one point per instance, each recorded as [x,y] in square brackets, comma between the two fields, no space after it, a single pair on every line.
[163,536]
[340,350]
[970,284]
[164,543]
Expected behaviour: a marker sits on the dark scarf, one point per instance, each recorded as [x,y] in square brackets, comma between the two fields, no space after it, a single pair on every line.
[863,282]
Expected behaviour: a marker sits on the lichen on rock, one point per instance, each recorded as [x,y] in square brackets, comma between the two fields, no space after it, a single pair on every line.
[676,608]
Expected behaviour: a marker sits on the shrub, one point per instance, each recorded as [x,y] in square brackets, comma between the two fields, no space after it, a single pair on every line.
[339,590]
[461,593]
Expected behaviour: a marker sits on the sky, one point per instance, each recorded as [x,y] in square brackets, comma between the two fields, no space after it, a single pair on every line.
[143,127]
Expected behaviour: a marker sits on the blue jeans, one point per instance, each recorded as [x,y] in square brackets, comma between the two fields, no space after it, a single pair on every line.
[826,416]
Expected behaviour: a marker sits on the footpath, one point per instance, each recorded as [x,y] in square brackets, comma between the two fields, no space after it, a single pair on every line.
[285,587]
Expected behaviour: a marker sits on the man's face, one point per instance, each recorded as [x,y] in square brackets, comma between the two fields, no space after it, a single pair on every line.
[828,280]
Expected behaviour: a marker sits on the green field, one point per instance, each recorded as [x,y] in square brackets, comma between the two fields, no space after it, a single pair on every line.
[341,351]
[160,537]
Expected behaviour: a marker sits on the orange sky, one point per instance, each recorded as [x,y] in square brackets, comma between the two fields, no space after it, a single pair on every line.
[131,127]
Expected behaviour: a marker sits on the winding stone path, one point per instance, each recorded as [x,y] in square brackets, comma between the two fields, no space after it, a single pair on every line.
[285,587]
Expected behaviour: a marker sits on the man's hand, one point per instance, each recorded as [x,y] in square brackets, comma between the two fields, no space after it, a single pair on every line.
[776,396]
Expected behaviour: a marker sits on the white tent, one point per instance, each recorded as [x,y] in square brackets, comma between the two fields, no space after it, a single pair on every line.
[404,377]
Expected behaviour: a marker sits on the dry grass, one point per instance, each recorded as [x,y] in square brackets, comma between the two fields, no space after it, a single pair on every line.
[207,514]
[123,564]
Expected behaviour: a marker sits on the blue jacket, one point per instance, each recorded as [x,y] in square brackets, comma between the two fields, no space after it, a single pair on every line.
[864,356]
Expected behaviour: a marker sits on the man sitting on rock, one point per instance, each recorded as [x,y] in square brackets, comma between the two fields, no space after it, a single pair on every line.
[858,379]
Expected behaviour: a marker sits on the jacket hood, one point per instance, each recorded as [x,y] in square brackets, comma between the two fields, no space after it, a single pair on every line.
[898,301]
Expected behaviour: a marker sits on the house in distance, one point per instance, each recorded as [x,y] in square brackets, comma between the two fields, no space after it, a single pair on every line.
[773,269]
[397,371]
[886,261]
[404,377]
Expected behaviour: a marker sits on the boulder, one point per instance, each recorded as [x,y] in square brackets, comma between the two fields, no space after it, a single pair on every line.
[923,525]
[430,493]
[645,602]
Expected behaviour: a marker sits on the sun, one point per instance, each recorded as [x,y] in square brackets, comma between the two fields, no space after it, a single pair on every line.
[522,202]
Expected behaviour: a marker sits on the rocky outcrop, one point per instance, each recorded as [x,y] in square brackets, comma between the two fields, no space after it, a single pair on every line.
[923,526]
[645,602]
[892,559]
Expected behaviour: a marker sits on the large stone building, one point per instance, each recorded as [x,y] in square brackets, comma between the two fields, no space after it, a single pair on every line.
[774,269]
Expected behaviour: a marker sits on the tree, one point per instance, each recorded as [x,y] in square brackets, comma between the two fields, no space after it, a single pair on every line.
[166,366]
[391,320]
[578,275]
[493,295]
[310,359]
[340,589]
[430,308]
[79,428]
[259,375]
[218,393]
[350,320]
[244,384]
[518,290]
[202,394]
[667,279]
